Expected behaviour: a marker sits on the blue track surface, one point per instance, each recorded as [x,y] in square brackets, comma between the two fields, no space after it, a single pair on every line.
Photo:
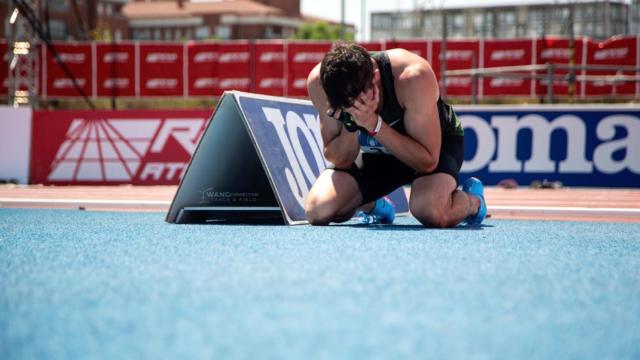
[103,285]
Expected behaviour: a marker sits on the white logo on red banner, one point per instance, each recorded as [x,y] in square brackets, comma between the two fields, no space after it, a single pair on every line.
[116,57]
[459,55]
[114,149]
[154,58]
[116,83]
[67,83]
[312,57]
[205,83]
[72,58]
[162,83]
[234,82]
[233,57]
[269,83]
[559,53]
[205,57]
[498,55]
[608,54]
[300,83]
[272,56]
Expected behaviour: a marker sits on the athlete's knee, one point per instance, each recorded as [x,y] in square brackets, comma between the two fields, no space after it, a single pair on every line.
[430,216]
[318,214]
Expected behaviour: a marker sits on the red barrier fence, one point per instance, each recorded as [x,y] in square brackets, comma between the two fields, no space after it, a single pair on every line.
[148,69]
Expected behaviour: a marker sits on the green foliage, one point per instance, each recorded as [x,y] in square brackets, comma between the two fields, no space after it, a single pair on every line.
[321,31]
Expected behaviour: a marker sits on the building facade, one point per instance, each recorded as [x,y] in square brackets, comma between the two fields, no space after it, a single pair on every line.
[596,19]
[166,20]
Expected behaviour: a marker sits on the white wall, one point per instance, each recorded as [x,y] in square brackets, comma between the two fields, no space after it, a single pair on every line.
[15,143]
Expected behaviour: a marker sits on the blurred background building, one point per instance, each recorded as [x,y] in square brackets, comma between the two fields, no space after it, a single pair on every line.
[168,20]
[597,19]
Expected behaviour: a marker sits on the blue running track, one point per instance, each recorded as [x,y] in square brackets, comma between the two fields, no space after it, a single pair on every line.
[103,285]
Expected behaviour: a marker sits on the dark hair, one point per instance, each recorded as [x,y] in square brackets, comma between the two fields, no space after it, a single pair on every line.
[346,70]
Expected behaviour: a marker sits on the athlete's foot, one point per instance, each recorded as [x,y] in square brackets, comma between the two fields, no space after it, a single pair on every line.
[383,212]
[474,187]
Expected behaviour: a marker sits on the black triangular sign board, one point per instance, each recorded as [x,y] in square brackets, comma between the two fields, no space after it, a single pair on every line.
[255,163]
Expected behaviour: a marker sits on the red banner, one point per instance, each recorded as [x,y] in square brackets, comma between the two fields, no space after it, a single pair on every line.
[203,69]
[558,51]
[621,51]
[115,70]
[499,53]
[114,147]
[270,59]
[418,47]
[302,57]
[234,66]
[373,45]
[161,69]
[79,60]
[460,54]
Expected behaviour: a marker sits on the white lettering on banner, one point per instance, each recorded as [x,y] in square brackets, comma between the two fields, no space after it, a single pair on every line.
[184,131]
[458,81]
[609,54]
[603,155]
[313,57]
[205,83]
[116,83]
[153,58]
[503,144]
[234,83]
[268,83]
[517,54]
[560,53]
[161,83]
[68,83]
[72,58]
[541,129]
[498,82]
[299,175]
[114,149]
[300,83]
[115,57]
[170,170]
[272,56]
[459,55]
[486,142]
[205,57]
[229,57]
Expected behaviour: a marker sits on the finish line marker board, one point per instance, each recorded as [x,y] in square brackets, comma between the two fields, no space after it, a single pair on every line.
[255,163]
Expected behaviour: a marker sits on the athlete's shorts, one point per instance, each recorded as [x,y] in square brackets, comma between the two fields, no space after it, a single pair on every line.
[380,174]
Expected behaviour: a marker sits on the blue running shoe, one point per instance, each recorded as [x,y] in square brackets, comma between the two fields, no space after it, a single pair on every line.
[473,186]
[383,212]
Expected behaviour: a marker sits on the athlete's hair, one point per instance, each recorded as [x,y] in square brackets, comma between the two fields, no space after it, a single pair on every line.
[346,70]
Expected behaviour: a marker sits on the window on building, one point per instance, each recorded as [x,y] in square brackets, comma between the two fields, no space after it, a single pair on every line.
[223,32]
[202,32]
[57,29]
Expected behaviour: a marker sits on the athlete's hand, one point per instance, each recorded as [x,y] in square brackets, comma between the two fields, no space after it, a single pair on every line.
[364,108]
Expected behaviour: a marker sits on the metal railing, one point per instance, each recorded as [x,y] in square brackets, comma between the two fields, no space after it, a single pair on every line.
[546,72]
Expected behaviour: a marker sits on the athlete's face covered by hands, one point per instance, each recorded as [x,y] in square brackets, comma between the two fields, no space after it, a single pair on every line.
[364,106]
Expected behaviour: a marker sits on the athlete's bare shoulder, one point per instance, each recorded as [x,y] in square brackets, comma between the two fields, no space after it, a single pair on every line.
[407,65]
[412,75]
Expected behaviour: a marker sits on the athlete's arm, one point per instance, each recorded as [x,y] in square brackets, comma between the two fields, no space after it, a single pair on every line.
[417,91]
[340,146]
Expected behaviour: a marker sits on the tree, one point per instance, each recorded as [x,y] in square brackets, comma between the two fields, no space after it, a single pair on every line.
[321,31]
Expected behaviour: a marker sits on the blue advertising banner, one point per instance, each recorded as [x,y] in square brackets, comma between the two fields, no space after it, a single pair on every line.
[595,146]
